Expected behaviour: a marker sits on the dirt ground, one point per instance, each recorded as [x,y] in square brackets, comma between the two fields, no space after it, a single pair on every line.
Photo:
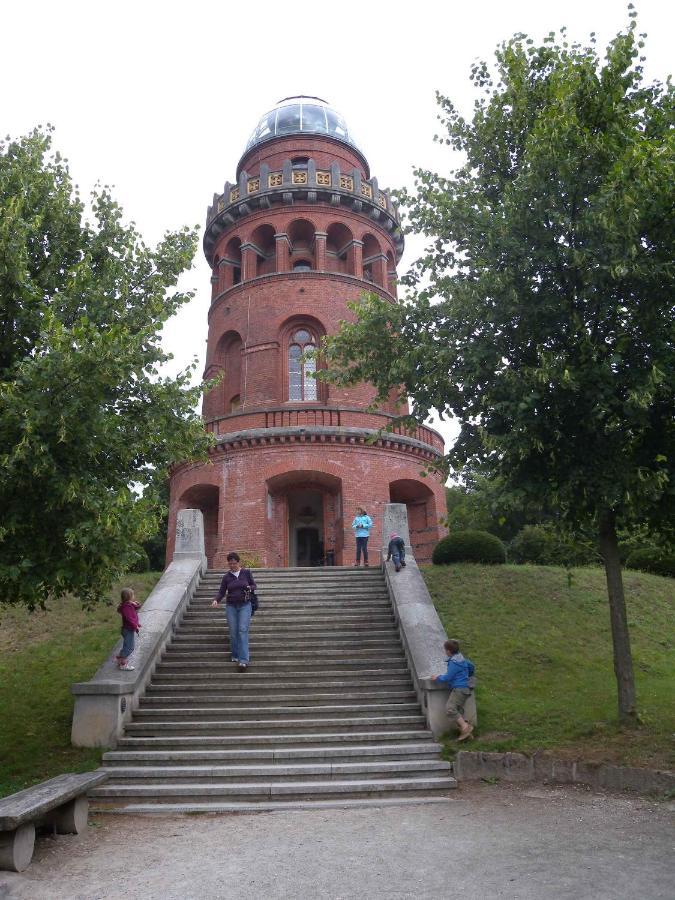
[517,842]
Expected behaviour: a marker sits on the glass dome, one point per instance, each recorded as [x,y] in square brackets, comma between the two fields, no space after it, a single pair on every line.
[301,115]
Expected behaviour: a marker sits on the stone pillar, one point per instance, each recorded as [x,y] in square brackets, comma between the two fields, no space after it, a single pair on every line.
[320,251]
[396,519]
[190,535]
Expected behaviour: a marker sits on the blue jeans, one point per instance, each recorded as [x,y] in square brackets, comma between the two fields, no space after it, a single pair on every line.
[127,643]
[361,545]
[238,621]
[399,559]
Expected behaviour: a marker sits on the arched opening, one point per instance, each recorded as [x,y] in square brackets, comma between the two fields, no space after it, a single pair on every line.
[265,249]
[339,249]
[372,253]
[205,497]
[226,360]
[422,517]
[301,242]
[230,267]
[305,518]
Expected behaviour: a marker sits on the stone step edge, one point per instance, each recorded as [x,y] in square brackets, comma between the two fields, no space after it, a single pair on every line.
[281,788]
[215,809]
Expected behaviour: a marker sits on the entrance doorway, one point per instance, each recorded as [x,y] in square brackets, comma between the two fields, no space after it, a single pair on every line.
[305,528]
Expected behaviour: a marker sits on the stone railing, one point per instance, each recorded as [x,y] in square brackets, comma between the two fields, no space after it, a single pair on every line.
[420,628]
[320,416]
[104,704]
[309,184]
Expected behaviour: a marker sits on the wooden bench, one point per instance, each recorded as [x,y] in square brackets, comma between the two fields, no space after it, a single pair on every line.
[60,802]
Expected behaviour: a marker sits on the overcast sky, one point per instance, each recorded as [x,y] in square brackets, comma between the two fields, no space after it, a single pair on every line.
[159,98]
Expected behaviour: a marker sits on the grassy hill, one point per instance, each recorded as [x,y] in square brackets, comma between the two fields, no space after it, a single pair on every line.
[41,655]
[543,654]
[542,650]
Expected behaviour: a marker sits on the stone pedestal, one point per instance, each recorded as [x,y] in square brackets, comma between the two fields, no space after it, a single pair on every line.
[190,535]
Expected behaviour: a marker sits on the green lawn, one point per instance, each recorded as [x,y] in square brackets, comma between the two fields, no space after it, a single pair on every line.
[542,651]
[543,655]
[41,655]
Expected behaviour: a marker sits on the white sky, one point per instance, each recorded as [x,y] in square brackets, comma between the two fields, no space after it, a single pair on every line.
[158,98]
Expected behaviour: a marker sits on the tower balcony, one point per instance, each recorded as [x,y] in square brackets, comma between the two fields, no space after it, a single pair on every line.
[320,423]
[306,184]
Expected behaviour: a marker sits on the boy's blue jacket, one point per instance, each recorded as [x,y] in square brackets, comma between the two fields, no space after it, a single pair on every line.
[459,672]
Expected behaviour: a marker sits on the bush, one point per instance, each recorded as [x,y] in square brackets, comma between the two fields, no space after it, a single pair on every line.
[469,546]
[544,545]
[654,560]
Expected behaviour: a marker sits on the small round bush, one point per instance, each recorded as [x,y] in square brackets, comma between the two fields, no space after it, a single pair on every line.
[652,559]
[469,546]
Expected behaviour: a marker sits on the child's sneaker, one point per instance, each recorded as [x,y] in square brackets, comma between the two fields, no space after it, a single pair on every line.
[127,668]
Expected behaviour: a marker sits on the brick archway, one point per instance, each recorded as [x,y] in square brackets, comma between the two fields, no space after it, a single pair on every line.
[304,517]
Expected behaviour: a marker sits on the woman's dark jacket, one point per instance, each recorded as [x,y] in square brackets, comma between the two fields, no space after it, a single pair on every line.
[235,587]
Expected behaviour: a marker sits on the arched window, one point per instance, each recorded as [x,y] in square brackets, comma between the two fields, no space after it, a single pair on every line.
[302,265]
[301,382]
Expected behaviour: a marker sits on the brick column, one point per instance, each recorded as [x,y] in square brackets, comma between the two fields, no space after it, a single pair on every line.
[248,262]
[355,258]
[283,259]
[320,251]
[380,271]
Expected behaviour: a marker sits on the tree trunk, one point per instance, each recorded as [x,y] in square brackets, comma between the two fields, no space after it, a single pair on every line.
[623,661]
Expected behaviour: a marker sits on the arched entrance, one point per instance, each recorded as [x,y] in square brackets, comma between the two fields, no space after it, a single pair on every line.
[422,517]
[304,518]
[206,498]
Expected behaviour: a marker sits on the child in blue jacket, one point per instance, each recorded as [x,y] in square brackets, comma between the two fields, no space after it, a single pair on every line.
[460,670]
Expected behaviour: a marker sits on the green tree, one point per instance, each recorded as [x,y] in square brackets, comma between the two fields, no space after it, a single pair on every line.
[86,418]
[541,314]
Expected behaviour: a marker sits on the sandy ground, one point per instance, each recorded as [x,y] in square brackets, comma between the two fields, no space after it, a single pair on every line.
[487,841]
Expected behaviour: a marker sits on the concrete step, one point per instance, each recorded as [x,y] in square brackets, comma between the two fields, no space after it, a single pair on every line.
[343,753]
[309,725]
[268,699]
[205,714]
[378,801]
[282,739]
[280,666]
[283,656]
[275,771]
[250,685]
[287,789]
[227,675]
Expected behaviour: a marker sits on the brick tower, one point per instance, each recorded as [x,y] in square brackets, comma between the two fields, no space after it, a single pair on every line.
[302,231]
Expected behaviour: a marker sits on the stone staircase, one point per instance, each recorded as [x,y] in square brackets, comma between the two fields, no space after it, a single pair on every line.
[325,715]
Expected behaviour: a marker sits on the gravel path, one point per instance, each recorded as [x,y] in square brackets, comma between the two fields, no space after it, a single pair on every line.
[505,841]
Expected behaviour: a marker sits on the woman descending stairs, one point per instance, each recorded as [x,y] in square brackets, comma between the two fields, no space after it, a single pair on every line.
[325,714]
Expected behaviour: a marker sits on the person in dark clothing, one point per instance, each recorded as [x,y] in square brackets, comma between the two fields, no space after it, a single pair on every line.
[128,609]
[236,585]
[396,551]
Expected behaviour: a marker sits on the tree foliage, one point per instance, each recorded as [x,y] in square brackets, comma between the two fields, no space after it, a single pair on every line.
[86,418]
[541,315]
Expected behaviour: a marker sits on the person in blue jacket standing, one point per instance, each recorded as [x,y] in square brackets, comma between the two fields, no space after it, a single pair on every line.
[460,670]
[362,524]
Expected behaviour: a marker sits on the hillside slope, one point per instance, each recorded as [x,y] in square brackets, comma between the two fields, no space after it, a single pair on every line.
[543,653]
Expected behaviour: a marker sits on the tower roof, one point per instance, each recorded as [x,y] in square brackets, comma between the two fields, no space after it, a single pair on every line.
[301,115]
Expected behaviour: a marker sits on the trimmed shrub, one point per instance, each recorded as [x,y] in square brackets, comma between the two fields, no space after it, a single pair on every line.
[654,560]
[544,545]
[469,546]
